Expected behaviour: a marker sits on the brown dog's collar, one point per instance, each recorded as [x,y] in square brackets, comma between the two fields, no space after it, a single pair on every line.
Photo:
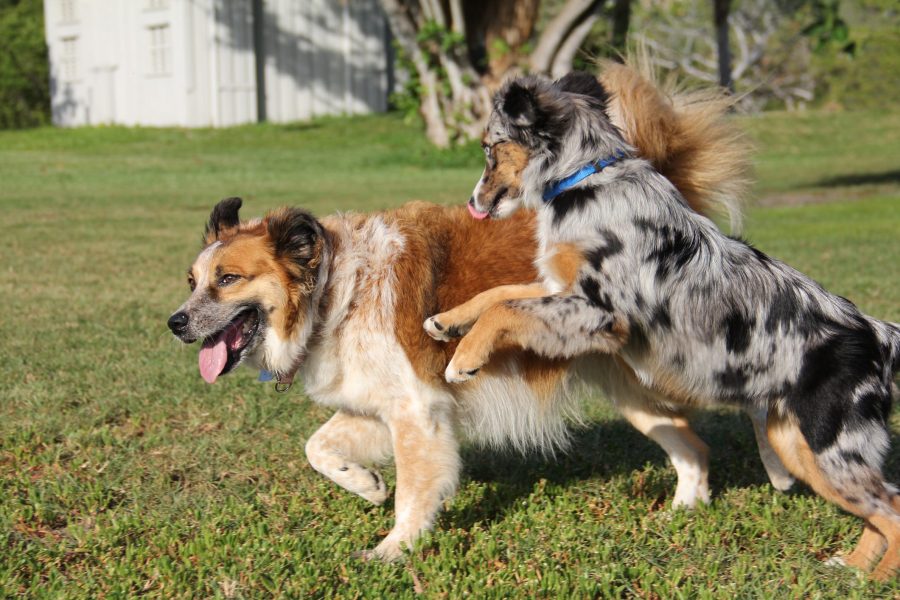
[284,381]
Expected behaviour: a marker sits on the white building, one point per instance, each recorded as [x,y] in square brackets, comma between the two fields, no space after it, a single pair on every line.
[198,63]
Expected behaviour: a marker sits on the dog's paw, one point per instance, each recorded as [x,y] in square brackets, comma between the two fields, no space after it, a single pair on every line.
[440,332]
[837,561]
[434,329]
[782,483]
[388,551]
[689,496]
[364,555]
[378,492]
[455,374]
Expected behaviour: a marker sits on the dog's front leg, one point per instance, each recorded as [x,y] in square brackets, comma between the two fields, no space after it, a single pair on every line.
[779,476]
[552,326]
[427,457]
[457,321]
[341,449]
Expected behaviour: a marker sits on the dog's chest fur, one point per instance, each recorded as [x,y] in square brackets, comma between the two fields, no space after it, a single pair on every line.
[356,347]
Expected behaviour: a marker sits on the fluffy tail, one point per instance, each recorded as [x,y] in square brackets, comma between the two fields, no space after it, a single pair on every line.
[894,344]
[686,134]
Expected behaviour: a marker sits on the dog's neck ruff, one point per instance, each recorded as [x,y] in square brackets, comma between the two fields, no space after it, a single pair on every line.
[581,174]
[284,381]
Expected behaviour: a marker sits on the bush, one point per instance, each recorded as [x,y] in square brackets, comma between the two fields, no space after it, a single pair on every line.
[24,66]
[871,78]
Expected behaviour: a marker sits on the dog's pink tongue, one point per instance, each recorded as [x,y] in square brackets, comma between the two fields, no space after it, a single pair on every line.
[475,212]
[214,353]
[213,356]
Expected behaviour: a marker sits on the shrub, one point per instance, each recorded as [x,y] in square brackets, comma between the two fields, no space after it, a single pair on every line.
[24,66]
[871,78]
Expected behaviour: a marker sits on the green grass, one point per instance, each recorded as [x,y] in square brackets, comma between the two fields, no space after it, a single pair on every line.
[122,473]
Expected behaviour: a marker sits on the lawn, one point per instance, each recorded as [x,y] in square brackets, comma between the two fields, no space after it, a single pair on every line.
[123,474]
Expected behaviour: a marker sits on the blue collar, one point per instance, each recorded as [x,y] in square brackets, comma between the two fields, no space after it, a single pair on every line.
[583,173]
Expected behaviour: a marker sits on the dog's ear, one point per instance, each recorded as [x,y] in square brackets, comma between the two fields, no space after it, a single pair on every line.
[580,82]
[296,235]
[222,219]
[519,105]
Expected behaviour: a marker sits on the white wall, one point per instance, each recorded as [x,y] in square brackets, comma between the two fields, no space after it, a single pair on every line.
[324,57]
[192,62]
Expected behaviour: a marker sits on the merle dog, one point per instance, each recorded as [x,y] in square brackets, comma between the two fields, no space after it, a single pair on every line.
[627,268]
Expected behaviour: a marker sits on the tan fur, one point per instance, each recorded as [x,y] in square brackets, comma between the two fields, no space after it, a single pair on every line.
[890,561]
[871,545]
[668,385]
[543,376]
[467,313]
[503,171]
[344,448]
[435,270]
[686,134]
[688,434]
[791,446]
[566,262]
[881,532]
[502,327]
[684,448]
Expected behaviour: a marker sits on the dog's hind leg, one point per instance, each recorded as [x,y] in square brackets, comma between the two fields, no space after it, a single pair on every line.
[870,546]
[343,448]
[458,320]
[779,476]
[843,476]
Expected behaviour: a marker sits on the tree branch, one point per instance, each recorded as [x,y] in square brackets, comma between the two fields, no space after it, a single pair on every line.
[562,62]
[572,13]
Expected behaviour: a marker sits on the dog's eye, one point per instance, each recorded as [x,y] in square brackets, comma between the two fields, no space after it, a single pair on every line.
[225,280]
[192,283]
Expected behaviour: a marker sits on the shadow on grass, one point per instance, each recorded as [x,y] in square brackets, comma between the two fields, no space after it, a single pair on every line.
[608,449]
[300,126]
[861,179]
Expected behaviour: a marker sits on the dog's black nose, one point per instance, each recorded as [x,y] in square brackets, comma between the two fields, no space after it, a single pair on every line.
[471,200]
[178,322]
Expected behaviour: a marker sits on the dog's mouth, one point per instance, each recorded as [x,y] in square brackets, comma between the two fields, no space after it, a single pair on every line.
[224,350]
[492,208]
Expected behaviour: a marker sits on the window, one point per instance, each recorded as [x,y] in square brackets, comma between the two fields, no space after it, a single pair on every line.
[68,58]
[160,49]
[67,11]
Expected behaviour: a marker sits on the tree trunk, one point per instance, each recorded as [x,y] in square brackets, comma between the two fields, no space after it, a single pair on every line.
[404,29]
[497,31]
[621,19]
[562,62]
[572,14]
[721,8]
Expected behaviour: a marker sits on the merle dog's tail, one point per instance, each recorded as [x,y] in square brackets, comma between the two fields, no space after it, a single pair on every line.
[893,333]
[889,337]
[687,134]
